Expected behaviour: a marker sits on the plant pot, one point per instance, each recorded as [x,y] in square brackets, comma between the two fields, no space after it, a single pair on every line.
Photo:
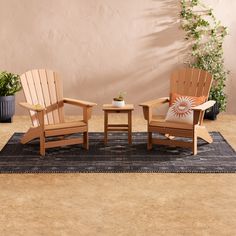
[211,113]
[118,103]
[7,108]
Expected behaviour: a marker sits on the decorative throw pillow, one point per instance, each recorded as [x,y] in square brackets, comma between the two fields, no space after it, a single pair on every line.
[180,109]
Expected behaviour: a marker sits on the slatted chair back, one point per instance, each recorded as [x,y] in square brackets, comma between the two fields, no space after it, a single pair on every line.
[191,82]
[44,87]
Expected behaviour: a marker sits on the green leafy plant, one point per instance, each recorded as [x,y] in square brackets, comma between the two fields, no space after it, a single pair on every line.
[206,35]
[9,83]
[120,97]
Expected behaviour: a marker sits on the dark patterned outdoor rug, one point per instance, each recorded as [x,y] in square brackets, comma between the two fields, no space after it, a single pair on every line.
[118,156]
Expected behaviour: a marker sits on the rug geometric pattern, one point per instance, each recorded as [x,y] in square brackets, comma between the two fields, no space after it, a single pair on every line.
[118,157]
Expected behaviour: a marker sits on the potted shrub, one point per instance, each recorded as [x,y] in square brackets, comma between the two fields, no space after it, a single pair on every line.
[9,85]
[119,100]
[206,35]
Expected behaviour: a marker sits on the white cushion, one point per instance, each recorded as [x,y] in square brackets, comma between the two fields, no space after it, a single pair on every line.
[180,109]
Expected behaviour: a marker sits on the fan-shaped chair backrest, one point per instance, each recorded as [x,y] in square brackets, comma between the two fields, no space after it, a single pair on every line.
[43,87]
[191,82]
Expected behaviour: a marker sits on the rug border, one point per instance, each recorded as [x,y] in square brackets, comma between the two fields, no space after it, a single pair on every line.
[117,172]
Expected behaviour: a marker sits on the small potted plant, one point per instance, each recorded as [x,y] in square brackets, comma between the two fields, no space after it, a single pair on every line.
[119,100]
[9,85]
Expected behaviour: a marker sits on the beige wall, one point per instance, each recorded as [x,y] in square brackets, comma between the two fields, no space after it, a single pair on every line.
[101,47]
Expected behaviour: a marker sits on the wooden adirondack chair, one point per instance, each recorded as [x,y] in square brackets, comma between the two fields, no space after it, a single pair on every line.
[45,102]
[188,82]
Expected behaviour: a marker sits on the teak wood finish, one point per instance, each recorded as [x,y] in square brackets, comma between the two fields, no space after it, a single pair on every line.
[127,109]
[188,82]
[45,102]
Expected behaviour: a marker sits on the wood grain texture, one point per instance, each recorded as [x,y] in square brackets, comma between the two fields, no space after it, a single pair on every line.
[59,92]
[53,95]
[191,82]
[28,99]
[187,82]
[44,95]
[109,109]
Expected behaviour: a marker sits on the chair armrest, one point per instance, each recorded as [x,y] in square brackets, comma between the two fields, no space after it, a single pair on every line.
[36,108]
[204,106]
[78,102]
[147,107]
[87,107]
[155,102]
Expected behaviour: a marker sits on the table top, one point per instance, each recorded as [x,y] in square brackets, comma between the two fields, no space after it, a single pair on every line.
[110,107]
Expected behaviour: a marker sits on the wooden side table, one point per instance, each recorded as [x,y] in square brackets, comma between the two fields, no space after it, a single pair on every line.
[108,108]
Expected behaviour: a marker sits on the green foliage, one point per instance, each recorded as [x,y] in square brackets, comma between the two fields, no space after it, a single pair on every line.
[206,36]
[9,83]
[120,97]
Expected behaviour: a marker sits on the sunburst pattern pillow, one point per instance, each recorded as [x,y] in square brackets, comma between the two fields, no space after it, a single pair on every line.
[180,109]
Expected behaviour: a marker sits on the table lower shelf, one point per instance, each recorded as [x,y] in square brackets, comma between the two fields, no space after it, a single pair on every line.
[118,125]
[118,129]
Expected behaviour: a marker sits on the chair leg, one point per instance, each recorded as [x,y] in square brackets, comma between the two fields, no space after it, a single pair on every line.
[31,134]
[203,134]
[194,149]
[86,141]
[42,145]
[149,145]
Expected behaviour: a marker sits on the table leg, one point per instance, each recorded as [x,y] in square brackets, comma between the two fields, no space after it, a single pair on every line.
[105,126]
[130,127]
